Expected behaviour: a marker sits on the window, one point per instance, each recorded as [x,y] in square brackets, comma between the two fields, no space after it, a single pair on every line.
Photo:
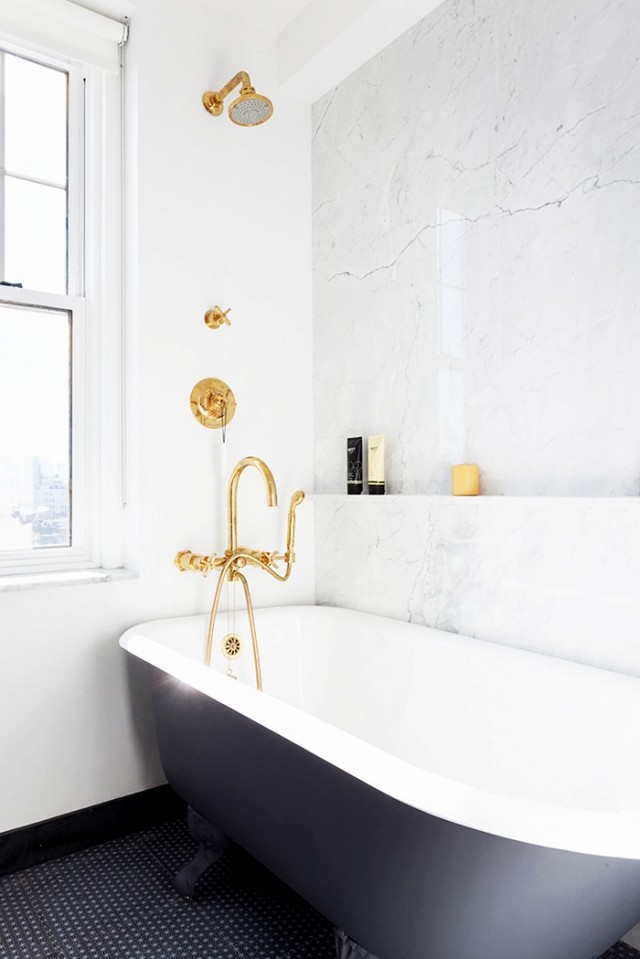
[35,180]
[60,332]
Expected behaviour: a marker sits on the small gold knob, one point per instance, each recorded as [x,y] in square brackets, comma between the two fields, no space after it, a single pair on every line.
[216,317]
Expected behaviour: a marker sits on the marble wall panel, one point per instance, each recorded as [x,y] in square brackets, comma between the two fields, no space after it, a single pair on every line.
[554,575]
[476,297]
[476,250]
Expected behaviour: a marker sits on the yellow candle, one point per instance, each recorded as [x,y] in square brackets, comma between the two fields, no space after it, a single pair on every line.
[465,480]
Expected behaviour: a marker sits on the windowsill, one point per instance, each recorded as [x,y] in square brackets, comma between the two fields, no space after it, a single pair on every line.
[72,577]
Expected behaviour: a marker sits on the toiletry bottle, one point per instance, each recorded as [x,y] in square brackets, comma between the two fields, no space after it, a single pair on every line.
[376,465]
[354,465]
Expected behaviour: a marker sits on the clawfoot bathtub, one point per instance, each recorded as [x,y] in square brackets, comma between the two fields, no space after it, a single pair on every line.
[434,796]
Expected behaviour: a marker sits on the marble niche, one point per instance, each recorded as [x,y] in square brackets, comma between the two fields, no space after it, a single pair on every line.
[476,192]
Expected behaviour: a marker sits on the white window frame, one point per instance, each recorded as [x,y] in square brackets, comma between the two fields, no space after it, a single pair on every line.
[94,302]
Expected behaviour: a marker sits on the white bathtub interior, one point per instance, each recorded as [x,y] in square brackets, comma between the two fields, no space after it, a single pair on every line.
[514,742]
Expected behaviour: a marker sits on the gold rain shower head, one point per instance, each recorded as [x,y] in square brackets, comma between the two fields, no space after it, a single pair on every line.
[248,110]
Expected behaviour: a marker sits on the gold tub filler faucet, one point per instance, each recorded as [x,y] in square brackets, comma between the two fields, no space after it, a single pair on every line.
[235,558]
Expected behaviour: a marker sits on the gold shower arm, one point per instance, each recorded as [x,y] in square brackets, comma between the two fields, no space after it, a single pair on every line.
[213,99]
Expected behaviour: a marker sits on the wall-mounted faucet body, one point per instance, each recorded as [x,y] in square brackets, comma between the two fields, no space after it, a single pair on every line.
[236,558]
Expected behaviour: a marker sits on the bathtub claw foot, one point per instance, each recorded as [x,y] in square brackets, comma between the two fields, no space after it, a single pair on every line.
[346,948]
[211,844]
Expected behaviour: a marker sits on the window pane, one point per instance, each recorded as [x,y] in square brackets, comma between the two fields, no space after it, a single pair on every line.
[35,421]
[35,120]
[36,236]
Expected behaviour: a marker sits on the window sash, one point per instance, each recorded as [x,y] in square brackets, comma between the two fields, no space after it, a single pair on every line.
[75,163]
[78,555]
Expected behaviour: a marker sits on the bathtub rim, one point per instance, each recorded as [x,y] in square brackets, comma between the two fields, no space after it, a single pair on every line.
[592,832]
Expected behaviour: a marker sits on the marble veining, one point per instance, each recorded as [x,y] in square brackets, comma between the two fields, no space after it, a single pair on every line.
[476,292]
[476,251]
[554,575]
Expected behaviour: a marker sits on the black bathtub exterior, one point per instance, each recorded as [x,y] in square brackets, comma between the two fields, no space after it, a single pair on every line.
[402,883]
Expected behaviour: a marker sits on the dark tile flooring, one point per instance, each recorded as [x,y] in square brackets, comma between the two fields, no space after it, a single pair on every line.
[116,901]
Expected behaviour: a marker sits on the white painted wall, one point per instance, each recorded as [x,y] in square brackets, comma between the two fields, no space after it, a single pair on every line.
[221,215]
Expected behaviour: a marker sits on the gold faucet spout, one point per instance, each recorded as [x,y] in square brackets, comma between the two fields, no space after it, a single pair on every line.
[232,495]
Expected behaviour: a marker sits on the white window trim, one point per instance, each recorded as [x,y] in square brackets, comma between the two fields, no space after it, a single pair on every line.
[96,304]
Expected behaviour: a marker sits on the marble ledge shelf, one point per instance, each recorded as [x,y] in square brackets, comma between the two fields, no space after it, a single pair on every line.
[439,497]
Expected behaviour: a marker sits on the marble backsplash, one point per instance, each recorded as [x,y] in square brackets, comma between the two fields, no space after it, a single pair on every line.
[554,575]
[476,251]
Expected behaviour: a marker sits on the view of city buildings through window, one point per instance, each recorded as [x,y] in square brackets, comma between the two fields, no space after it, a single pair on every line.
[35,411]
[35,336]
[34,503]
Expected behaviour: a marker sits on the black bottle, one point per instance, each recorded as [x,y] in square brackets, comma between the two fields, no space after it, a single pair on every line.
[354,465]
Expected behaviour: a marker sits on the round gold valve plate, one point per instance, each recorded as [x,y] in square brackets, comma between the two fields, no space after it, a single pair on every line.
[213,403]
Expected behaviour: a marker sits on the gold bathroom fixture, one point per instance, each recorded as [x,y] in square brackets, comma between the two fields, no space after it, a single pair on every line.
[235,558]
[232,495]
[231,646]
[213,403]
[248,110]
[216,318]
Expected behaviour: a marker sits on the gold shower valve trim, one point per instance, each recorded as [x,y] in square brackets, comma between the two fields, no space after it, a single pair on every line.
[213,403]
[216,318]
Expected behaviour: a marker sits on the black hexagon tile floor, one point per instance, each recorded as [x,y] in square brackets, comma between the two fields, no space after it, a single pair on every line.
[116,901]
